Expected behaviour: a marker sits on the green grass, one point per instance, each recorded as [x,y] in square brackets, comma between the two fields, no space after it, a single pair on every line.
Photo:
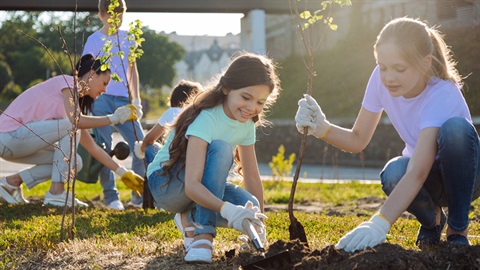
[31,232]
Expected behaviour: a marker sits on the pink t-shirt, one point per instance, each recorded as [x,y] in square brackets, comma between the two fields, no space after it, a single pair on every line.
[43,101]
[439,101]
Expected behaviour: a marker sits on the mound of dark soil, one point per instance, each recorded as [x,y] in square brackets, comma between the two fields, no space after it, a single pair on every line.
[295,255]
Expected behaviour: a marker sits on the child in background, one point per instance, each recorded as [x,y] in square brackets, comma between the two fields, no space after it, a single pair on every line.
[117,95]
[180,93]
[42,118]
[189,174]
[417,85]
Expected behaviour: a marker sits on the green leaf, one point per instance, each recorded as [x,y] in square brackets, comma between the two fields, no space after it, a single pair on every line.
[116,77]
[305,15]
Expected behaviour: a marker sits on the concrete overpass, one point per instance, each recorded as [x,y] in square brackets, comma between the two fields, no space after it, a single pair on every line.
[253,24]
[194,6]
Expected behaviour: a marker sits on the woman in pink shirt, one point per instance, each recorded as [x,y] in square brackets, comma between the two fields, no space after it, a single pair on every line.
[37,128]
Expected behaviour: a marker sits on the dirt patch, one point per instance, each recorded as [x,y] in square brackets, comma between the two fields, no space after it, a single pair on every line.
[295,255]
[80,254]
[384,256]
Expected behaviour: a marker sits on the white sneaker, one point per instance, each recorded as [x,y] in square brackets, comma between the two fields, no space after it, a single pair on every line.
[11,194]
[116,205]
[187,241]
[199,255]
[59,200]
[136,205]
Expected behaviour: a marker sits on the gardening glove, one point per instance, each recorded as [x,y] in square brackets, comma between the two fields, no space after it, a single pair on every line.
[367,234]
[123,114]
[235,214]
[260,228]
[131,180]
[138,106]
[309,114]
[137,149]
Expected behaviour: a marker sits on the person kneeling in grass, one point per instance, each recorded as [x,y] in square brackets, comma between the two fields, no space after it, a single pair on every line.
[416,83]
[36,128]
[189,174]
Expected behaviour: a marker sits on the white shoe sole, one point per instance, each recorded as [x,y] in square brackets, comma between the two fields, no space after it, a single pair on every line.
[199,255]
[6,196]
[60,203]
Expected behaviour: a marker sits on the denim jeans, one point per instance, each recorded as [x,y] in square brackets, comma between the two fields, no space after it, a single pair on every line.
[43,143]
[107,104]
[453,181]
[169,194]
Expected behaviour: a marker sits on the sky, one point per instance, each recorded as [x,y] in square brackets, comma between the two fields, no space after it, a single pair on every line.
[195,24]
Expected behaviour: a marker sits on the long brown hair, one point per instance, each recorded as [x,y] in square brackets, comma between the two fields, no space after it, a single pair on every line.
[246,69]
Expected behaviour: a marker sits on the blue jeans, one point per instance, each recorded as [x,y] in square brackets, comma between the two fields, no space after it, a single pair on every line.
[453,181]
[169,194]
[107,104]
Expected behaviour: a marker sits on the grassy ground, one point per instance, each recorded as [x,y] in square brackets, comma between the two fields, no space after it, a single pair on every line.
[30,234]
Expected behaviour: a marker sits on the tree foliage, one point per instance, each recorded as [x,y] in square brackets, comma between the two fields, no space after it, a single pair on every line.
[28,44]
[156,67]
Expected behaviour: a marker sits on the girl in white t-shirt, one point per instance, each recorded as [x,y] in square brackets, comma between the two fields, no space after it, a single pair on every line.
[179,95]
[417,85]
[36,128]
[189,174]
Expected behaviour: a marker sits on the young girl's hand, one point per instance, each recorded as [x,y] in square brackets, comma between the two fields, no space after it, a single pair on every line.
[235,214]
[309,114]
[137,149]
[368,234]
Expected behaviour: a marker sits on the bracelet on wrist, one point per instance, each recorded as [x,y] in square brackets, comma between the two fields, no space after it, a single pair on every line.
[382,216]
[326,132]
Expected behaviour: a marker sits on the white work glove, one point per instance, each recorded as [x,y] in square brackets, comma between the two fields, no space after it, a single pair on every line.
[367,234]
[123,114]
[138,105]
[235,214]
[137,149]
[132,180]
[260,228]
[309,114]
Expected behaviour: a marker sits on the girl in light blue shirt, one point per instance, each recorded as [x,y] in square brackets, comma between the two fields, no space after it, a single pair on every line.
[216,128]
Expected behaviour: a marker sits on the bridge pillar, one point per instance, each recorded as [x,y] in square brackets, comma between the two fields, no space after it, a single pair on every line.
[253,34]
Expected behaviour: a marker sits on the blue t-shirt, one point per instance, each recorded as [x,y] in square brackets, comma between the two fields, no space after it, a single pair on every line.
[211,124]
[118,65]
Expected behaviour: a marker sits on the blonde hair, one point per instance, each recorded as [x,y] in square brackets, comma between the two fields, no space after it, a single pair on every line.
[416,39]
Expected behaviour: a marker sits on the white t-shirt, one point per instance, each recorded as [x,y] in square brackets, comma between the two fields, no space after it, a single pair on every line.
[210,124]
[439,101]
[169,115]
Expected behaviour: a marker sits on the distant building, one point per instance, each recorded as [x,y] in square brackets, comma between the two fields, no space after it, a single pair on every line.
[283,42]
[206,56]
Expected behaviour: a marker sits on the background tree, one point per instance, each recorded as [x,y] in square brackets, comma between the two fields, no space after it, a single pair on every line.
[156,67]
[24,37]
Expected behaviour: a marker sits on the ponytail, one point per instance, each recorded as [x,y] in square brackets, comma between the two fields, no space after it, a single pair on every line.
[86,64]
[443,64]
